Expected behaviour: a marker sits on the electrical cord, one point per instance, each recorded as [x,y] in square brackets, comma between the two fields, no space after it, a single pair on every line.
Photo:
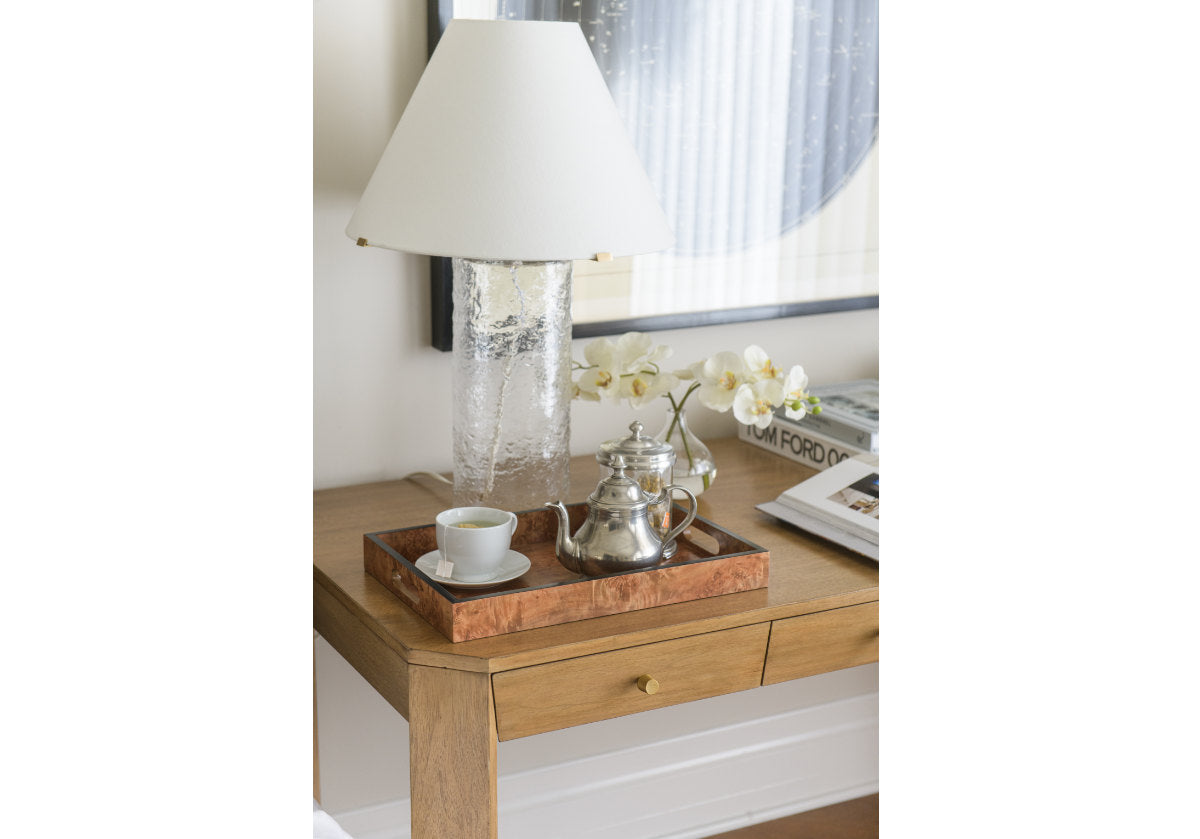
[433,475]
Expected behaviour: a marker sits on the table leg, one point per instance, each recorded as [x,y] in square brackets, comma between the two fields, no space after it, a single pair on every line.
[452,754]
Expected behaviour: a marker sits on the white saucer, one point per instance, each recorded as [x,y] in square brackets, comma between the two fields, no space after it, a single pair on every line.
[512,566]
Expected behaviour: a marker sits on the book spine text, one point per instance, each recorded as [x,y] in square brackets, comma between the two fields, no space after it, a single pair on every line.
[800,445]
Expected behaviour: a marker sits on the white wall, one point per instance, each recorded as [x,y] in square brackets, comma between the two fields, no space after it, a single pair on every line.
[382,409]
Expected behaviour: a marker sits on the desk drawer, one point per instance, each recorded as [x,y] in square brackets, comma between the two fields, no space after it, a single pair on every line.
[548,697]
[822,642]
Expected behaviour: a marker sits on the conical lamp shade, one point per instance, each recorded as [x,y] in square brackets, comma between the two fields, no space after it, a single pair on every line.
[511,149]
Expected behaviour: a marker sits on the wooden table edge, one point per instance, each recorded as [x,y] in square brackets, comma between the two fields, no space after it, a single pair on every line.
[601,643]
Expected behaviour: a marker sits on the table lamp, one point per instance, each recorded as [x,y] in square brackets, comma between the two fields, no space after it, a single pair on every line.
[512,159]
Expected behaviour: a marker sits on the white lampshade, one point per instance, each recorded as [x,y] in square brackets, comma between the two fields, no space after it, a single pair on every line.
[511,149]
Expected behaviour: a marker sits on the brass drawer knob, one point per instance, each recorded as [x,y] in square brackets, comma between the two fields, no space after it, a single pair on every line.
[647,684]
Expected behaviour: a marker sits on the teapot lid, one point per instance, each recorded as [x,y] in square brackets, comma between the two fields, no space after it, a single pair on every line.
[639,451]
[618,491]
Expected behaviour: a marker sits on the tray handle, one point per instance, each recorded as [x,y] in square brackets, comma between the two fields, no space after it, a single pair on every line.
[401,587]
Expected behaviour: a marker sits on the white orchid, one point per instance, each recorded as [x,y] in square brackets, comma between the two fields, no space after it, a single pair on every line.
[578,392]
[719,378]
[608,361]
[796,400]
[601,378]
[754,404]
[629,368]
[637,351]
[759,364]
[639,388]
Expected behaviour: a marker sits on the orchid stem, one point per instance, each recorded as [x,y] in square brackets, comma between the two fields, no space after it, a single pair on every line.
[676,411]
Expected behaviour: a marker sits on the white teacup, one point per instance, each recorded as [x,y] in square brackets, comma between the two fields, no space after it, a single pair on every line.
[475,539]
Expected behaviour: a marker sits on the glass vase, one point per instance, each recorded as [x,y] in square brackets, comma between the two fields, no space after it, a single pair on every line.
[512,377]
[694,466]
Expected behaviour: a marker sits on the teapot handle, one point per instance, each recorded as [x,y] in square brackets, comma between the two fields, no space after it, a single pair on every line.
[682,526]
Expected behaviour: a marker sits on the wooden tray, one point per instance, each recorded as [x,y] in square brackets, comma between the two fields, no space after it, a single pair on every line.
[710,561]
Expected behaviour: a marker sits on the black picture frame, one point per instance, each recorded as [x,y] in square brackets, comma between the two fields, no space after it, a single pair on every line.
[440,13]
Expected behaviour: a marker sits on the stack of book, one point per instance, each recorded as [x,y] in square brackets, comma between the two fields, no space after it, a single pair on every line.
[847,426]
[840,504]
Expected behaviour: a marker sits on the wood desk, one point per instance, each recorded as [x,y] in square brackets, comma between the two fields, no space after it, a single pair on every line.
[819,613]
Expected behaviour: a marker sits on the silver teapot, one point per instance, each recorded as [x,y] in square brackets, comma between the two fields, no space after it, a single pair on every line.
[617,534]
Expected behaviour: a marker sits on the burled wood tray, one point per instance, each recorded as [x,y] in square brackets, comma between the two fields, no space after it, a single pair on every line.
[709,561]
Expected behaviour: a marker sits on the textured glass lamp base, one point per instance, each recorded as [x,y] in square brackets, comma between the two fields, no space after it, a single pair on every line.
[512,377]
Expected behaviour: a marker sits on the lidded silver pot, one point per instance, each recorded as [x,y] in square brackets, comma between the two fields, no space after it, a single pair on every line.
[616,536]
[648,461]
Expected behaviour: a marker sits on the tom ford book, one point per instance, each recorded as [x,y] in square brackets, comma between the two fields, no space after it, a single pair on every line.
[799,441]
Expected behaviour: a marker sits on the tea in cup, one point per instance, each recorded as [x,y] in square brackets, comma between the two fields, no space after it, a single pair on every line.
[475,539]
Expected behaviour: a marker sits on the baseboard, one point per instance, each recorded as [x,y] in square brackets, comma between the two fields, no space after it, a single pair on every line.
[789,808]
[684,787]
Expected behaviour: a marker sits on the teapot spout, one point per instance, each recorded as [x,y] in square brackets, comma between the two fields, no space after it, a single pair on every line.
[565,548]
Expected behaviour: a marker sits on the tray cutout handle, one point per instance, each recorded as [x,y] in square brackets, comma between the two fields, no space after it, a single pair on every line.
[706,542]
[401,587]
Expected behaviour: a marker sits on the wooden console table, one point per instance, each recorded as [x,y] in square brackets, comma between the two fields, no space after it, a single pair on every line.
[819,613]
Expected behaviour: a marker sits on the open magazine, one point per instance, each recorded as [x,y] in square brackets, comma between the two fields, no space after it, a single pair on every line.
[840,503]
